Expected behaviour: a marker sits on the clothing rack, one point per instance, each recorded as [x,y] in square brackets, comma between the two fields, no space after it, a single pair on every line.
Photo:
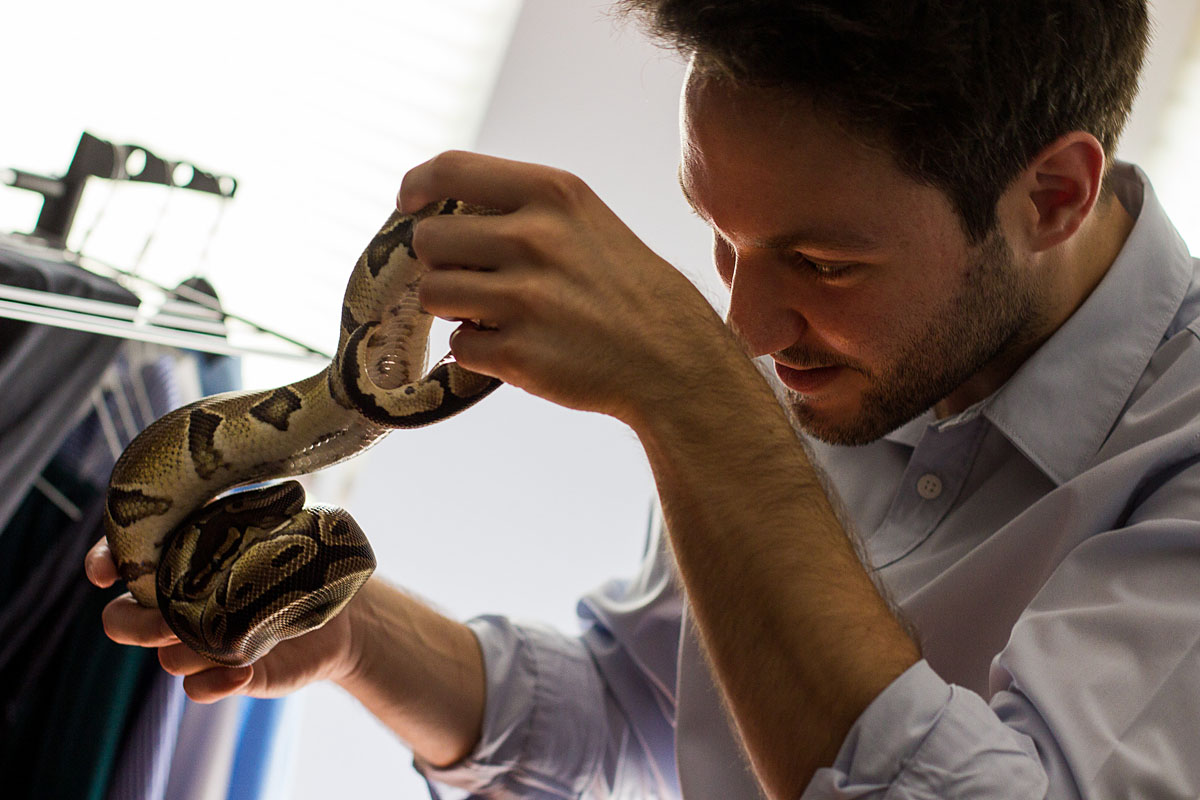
[96,158]
[177,323]
[182,316]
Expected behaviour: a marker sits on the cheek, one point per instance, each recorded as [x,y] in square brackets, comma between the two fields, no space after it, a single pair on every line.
[883,322]
[861,323]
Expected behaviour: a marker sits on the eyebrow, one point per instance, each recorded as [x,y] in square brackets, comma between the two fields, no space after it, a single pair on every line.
[813,236]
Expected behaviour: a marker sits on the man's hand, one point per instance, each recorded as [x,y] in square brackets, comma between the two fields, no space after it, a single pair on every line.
[570,304]
[418,671]
[327,652]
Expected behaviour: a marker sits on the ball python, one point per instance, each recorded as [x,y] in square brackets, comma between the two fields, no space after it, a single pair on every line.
[235,573]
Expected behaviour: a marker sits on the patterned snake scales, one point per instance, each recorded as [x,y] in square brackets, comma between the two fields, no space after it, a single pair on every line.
[238,575]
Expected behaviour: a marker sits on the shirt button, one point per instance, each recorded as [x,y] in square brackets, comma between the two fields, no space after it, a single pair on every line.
[929,486]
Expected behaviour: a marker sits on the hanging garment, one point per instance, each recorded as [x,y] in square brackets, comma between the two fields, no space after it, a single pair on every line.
[61,679]
[46,374]
[148,746]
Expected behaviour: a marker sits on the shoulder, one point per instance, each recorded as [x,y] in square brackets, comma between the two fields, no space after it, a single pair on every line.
[1152,454]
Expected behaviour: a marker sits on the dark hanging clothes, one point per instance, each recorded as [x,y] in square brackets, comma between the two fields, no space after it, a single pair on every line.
[80,716]
[66,691]
[46,373]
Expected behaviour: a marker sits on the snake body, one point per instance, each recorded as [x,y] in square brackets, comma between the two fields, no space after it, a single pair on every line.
[235,575]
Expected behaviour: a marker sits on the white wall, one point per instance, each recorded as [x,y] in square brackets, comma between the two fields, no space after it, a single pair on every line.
[1173,32]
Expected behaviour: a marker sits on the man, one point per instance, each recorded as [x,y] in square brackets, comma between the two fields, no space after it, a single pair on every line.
[986,331]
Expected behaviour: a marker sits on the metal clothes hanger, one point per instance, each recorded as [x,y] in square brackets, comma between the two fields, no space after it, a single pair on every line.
[177,323]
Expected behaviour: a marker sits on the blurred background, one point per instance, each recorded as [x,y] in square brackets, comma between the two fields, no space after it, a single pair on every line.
[318,109]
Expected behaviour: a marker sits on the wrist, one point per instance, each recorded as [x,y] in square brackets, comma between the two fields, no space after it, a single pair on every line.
[419,672]
[710,382]
[348,668]
[726,409]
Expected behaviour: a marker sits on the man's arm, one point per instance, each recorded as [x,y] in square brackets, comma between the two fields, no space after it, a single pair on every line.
[576,309]
[799,638]
[418,671]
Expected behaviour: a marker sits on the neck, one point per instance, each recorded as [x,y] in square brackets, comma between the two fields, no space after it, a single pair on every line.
[1066,275]
[1086,259]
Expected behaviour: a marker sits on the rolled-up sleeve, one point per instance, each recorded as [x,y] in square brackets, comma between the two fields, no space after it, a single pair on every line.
[924,739]
[542,736]
[587,715]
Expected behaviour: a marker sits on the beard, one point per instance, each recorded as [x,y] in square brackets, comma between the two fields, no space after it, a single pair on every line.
[995,310]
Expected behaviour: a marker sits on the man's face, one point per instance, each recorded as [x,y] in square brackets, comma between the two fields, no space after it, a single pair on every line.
[858,281]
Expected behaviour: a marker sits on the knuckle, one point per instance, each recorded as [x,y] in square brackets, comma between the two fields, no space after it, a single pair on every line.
[529,294]
[445,164]
[536,237]
[520,235]
[417,183]
[565,188]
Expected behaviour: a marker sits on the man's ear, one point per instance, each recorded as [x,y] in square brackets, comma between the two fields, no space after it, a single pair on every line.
[1060,187]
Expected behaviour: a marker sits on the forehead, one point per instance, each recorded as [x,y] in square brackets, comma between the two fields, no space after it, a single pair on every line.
[758,160]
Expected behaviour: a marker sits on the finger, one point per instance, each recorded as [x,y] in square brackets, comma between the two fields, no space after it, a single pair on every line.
[99,565]
[127,622]
[216,683]
[179,659]
[478,179]
[483,350]
[466,295]
[467,240]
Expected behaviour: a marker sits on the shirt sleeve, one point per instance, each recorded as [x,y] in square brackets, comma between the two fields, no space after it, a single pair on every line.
[542,736]
[922,739]
[579,716]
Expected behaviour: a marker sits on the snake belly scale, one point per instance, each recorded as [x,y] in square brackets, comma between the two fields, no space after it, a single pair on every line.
[235,575]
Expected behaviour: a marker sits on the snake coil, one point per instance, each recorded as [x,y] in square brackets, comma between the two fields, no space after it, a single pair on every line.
[235,575]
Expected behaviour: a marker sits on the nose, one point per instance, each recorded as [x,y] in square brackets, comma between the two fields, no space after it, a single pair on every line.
[762,308]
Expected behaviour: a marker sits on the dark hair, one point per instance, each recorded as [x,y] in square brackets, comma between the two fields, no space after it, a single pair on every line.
[964,93]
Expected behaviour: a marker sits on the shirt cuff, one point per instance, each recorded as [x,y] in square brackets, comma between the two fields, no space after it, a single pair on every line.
[923,738]
[543,727]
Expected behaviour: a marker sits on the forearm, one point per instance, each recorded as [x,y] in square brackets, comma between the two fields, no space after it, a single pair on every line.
[799,637]
[419,672]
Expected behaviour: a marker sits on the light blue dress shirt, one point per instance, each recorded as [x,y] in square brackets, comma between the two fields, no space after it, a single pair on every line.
[1044,544]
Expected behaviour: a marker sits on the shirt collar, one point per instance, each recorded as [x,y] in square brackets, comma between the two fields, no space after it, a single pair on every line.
[1060,405]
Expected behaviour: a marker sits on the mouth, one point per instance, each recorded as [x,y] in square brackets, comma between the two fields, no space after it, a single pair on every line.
[807,381]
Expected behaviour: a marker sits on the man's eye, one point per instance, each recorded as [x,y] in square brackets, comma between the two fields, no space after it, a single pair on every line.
[822,269]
